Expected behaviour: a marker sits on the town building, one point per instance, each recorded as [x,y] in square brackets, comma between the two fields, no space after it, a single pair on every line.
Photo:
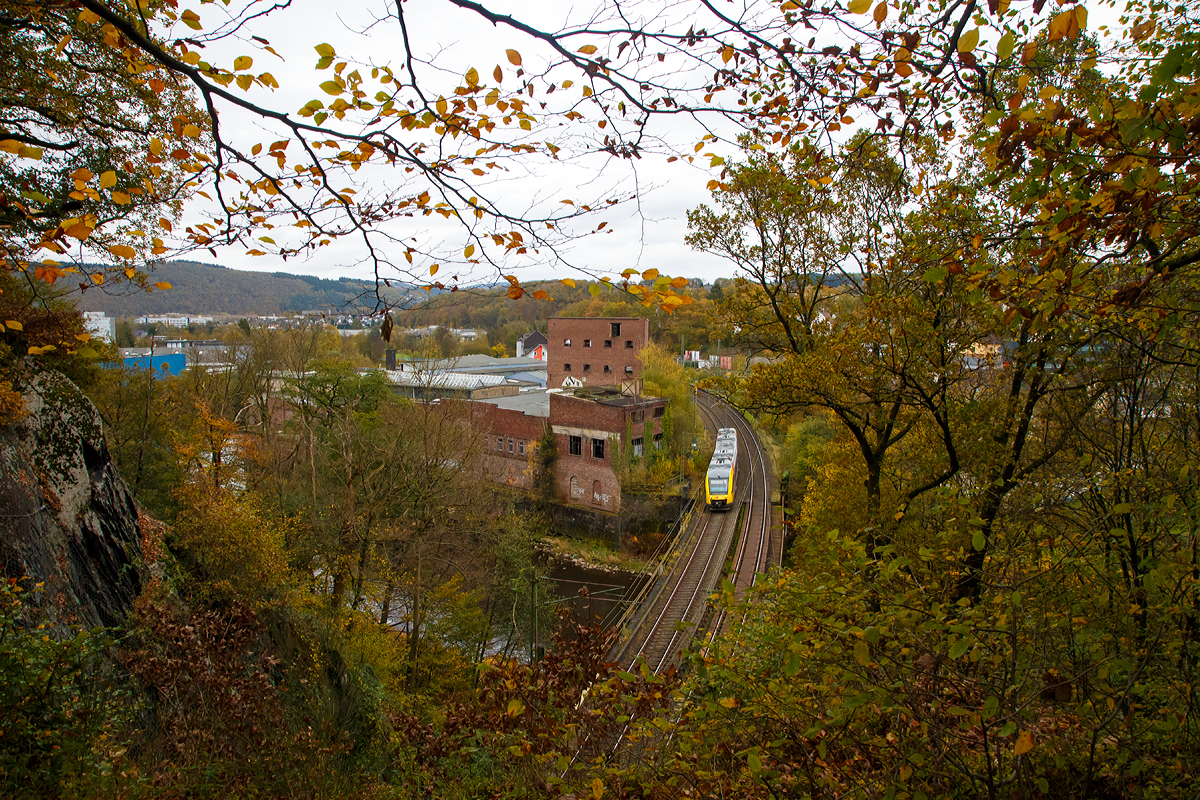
[100,325]
[596,430]
[593,407]
[533,345]
[596,351]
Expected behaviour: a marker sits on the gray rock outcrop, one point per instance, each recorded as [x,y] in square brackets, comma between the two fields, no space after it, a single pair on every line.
[67,520]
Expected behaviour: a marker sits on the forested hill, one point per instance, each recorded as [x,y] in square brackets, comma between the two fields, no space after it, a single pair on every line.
[210,289]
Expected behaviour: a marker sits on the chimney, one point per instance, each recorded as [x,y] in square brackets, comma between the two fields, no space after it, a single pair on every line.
[391,358]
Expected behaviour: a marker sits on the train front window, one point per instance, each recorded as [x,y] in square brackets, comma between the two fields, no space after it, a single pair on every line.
[718,487]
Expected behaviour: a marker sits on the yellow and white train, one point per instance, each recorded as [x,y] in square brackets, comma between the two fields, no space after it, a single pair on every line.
[718,483]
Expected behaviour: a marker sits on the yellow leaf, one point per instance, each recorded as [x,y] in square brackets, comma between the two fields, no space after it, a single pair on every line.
[650,274]
[587,49]
[726,54]
[968,41]
[679,282]
[130,272]
[859,6]
[79,230]
[191,130]
[514,57]
[82,174]
[88,17]
[442,106]
[121,198]
[191,19]
[16,326]
[83,337]
[162,285]
[472,77]
[97,278]
[568,282]
[108,179]
[122,251]
[825,181]
[433,269]
[1024,743]
[790,5]
[469,251]
[597,788]
[515,706]
[729,702]
[881,12]
[243,63]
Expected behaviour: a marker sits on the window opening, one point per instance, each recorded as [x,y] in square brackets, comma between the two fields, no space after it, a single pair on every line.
[616,329]
[575,445]
[597,448]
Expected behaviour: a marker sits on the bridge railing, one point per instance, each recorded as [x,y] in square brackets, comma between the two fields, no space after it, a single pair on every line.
[639,605]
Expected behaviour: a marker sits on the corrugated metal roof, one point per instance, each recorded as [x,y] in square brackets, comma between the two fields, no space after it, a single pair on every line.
[443,380]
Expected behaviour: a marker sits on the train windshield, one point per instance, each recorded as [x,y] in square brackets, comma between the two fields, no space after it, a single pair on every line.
[718,486]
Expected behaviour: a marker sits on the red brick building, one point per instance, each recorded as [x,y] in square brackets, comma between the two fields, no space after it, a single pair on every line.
[596,351]
[596,430]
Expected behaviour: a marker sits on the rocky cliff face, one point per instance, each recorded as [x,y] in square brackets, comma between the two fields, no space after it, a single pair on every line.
[67,519]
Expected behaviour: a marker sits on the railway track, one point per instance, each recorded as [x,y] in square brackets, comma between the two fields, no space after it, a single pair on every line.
[682,605]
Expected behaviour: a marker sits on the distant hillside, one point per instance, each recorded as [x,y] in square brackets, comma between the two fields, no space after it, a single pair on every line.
[210,289]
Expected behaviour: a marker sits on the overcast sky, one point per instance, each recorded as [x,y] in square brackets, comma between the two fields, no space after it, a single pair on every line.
[645,233]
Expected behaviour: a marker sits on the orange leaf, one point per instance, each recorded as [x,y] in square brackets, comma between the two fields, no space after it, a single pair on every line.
[514,57]
[162,285]
[1024,743]
[122,251]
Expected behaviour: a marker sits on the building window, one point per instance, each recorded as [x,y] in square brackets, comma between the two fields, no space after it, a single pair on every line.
[575,445]
[500,443]
[637,416]
[510,444]
[658,412]
[637,447]
[607,369]
[587,342]
[566,342]
[616,329]
[658,440]
[566,367]
[628,344]
[598,448]
[587,367]
[521,448]
[608,342]
[629,370]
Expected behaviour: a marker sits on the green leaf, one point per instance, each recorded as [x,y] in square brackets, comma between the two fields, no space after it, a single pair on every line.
[331,87]
[934,275]
[1004,49]
[960,647]
[978,540]
[754,763]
